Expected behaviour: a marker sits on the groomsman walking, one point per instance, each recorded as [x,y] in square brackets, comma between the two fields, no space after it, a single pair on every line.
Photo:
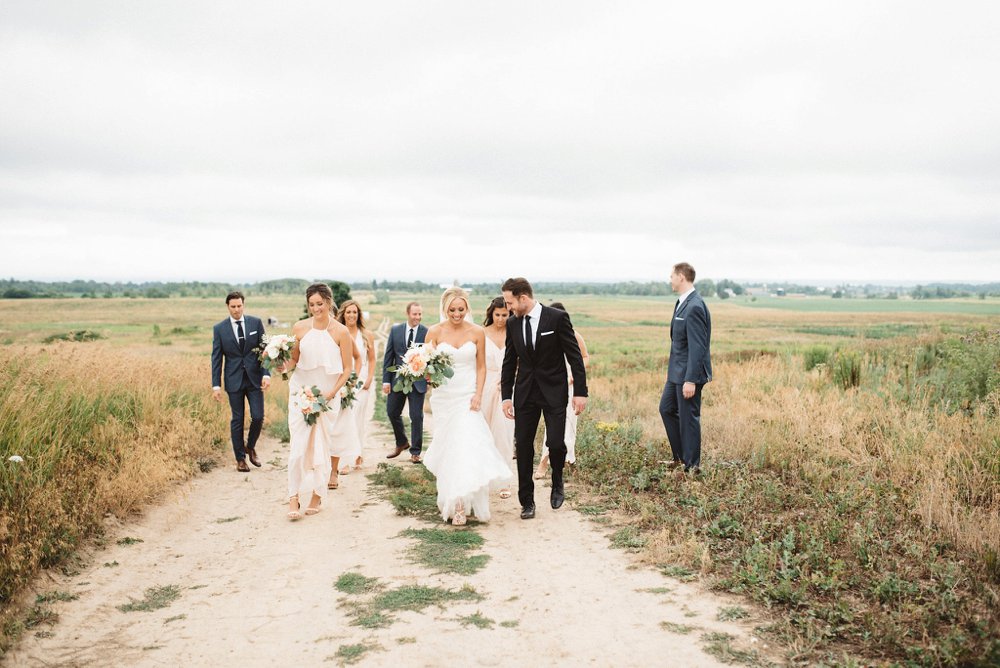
[689,368]
[401,337]
[233,342]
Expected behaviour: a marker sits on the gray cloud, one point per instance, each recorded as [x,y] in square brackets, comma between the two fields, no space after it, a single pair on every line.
[773,140]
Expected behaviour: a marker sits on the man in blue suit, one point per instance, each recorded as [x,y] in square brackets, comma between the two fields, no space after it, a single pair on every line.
[689,368]
[401,337]
[233,342]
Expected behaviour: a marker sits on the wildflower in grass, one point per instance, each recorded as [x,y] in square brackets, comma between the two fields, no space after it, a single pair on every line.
[607,427]
[17,459]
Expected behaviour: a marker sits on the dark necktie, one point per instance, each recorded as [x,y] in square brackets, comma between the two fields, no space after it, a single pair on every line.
[240,339]
[676,304]
[409,338]
[528,342]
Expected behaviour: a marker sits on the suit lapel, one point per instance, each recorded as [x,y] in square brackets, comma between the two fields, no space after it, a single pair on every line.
[680,311]
[227,324]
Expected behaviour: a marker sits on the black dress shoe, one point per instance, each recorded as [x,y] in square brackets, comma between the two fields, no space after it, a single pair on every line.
[242,467]
[253,457]
[557,497]
[398,450]
[528,512]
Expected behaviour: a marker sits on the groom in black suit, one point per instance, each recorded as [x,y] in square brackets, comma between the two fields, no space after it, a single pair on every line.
[233,341]
[534,383]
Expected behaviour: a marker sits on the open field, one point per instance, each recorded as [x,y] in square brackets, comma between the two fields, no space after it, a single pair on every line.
[858,499]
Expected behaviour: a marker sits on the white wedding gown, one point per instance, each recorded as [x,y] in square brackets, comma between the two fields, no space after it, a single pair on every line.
[461,455]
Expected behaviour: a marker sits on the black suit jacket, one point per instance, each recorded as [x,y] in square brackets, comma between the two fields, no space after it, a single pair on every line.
[543,370]
[690,343]
[226,348]
[395,348]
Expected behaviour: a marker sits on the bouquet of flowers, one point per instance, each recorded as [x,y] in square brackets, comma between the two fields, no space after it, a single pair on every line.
[422,363]
[310,402]
[275,351]
[349,392]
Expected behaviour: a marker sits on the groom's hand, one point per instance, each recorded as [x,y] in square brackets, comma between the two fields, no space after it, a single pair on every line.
[687,391]
[508,409]
[217,393]
[265,382]
[385,388]
[579,403]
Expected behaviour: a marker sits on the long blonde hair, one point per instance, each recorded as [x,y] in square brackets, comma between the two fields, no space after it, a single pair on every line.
[450,295]
[343,309]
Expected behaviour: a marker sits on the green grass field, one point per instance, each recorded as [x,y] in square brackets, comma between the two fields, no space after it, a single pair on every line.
[851,451]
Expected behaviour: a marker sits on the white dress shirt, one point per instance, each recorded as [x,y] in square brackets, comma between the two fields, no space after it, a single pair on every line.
[680,300]
[536,314]
[236,332]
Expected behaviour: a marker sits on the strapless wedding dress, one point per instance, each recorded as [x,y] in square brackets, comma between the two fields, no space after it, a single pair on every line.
[461,455]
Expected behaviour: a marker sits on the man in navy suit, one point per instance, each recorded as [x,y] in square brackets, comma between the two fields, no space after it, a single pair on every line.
[534,384]
[689,368]
[233,342]
[401,337]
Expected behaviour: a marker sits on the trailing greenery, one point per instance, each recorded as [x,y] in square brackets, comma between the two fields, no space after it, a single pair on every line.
[411,489]
[372,604]
[155,598]
[447,550]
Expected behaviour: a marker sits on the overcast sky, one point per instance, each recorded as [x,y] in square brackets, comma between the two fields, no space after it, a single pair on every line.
[243,141]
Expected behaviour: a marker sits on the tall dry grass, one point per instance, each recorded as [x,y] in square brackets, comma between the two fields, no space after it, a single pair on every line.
[99,430]
[870,516]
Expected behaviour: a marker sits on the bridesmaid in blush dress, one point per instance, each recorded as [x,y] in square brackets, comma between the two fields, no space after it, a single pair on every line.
[322,350]
[502,429]
[363,409]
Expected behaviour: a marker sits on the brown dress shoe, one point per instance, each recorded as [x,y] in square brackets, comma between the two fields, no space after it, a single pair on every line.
[398,450]
[416,459]
[242,467]
[253,457]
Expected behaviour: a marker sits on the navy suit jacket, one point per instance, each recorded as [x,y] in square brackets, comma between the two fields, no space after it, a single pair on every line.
[690,343]
[227,356]
[395,348]
[545,368]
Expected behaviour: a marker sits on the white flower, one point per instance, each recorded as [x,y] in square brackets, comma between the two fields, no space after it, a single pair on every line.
[17,459]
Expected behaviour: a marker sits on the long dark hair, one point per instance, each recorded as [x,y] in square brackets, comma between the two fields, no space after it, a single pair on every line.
[497,302]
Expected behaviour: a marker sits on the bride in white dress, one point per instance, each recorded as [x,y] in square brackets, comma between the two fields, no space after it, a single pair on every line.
[462,456]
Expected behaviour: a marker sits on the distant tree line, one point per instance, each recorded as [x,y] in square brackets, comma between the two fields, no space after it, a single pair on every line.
[723,289]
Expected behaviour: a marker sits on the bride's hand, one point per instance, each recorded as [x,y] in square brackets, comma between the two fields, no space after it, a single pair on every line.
[476,402]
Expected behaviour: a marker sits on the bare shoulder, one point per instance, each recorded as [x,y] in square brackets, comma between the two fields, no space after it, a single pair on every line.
[338,330]
[478,333]
[301,327]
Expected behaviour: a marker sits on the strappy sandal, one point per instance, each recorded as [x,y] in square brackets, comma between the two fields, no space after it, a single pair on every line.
[505,493]
[295,514]
[333,484]
[458,519]
[312,510]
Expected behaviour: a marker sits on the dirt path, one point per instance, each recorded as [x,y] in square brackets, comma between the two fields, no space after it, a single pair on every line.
[253,589]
